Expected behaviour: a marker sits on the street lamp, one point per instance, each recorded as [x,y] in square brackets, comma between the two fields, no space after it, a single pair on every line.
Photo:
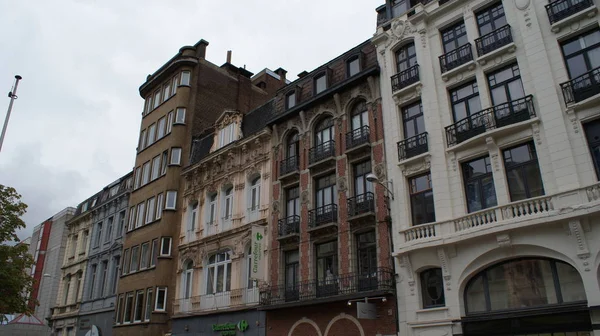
[373,179]
[12,95]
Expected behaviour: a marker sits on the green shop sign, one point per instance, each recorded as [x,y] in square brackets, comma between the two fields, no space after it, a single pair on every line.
[229,329]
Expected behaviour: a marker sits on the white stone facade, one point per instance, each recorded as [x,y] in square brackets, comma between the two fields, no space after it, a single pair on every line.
[563,224]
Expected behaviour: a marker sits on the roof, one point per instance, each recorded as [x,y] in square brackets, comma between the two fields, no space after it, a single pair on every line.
[24,319]
[201,148]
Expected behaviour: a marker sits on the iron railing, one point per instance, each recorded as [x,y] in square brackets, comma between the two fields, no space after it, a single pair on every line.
[357,137]
[289,225]
[494,117]
[582,87]
[323,215]
[405,78]
[288,165]
[456,57]
[561,9]
[494,40]
[380,279]
[321,152]
[361,204]
[412,146]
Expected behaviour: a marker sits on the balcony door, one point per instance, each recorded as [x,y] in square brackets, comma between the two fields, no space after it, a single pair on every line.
[360,116]
[582,53]
[507,89]
[186,287]
[292,210]
[292,275]
[366,250]
[292,146]
[251,293]
[327,283]
[491,19]
[218,281]
[324,133]
[326,196]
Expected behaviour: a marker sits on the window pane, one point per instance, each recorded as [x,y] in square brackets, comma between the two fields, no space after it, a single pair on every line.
[571,285]
[320,84]
[475,297]
[432,288]
[353,67]
[185,78]
[516,185]
[534,180]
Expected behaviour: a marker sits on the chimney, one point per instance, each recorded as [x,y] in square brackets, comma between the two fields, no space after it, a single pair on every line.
[229,56]
[302,74]
[281,72]
[201,48]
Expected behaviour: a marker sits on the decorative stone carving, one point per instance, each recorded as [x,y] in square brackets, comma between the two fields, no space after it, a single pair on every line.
[453,161]
[266,176]
[405,263]
[573,119]
[275,206]
[412,169]
[342,184]
[535,127]
[379,171]
[577,232]
[400,29]
[522,4]
[240,186]
[304,197]
[504,240]
[445,267]
[423,34]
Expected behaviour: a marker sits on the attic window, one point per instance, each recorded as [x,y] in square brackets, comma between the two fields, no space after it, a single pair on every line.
[262,85]
[94,202]
[226,135]
[290,100]
[320,83]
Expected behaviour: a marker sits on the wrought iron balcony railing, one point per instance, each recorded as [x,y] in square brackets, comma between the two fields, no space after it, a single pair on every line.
[405,78]
[412,146]
[289,225]
[561,9]
[494,117]
[582,87]
[456,58]
[289,165]
[350,284]
[357,137]
[361,204]
[323,215]
[321,152]
[494,40]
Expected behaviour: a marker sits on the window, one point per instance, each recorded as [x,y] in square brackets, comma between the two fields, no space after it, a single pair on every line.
[171,200]
[218,278]
[506,86]
[148,304]
[293,201]
[465,102]
[421,199]
[161,299]
[154,253]
[192,217]
[131,218]
[156,98]
[255,194]
[167,91]
[165,246]
[160,129]
[73,246]
[119,313]
[454,37]
[146,173]
[94,202]
[114,190]
[187,280]
[250,283]
[142,143]
[226,135]
[125,261]
[523,172]
[109,229]
[400,7]
[139,306]
[159,205]
[115,274]
[292,148]
[84,242]
[67,289]
[165,157]
[135,259]
[228,201]
[185,78]
[138,177]
[145,255]
[361,185]
[212,209]
[77,285]
[523,283]
[121,224]
[413,120]
[128,307]
[169,122]
[320,83]
[326,267]
[147,105]
[353,66]
[360,117]
[93,281]
[491,18]
[326,192]
[324,133]
[140,215]
[406,57]
[150,210]
[592,134]
[98,234]
[290,100]
[175,156]
[180,116]
[174,85]
[582,53]
[84,207]
[432,288]
[103,278]
[366,247]
[151,134]
[479,184]
[155,167]
[292,274]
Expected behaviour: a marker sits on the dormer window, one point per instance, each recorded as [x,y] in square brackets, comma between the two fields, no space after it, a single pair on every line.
[290,100]
[226,135]
[320,83]
[353,66]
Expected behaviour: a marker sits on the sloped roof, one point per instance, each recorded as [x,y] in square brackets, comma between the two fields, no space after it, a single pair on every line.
[24,319]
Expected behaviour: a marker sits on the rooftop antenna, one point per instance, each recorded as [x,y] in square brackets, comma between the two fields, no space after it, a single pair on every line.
[12,95]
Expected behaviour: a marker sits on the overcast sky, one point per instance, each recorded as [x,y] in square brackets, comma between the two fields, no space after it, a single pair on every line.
[74,128]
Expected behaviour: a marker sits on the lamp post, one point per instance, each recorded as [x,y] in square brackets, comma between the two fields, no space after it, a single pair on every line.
[373,179]
[12,95]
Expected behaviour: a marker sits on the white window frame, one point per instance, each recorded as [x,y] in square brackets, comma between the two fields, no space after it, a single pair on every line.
[180,116]
[139,219]
[127,297]
[169,122]
[228,200]
[142,143]
[174,85]
[138,177]
[146,261]
[254,191]
[150,204]
[159,205]
[171,195]
[153,251]
[175,156]
[131,223]
[186,77]
[148,310]
[155,171]
[146,173]
[156,99]
[163,241]
[211,210]
[187,282]
[132,256]
[135,306]
[192,217]
[227,268]
[160,128]
[167,91]
[151,135]
[164,303]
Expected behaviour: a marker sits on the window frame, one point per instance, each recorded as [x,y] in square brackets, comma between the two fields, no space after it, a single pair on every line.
[408,61]
[316,78]
[161,125]
[150,207]
[349,62]
[175,156]
[227,265]
[138,306]
[126,257]
[437,272]
[171,194]
[134,263]
[140,214]
[489,10]
[151,135]
[582,51]
[159,206]
[288,103]
[456,101]
[521,167]
[186,78]
[149,301]
[146,172]
[413,194]
[160,289]
[128,319]
[169,242]
[479,180]
[449,35]
[406,119]
[154,250]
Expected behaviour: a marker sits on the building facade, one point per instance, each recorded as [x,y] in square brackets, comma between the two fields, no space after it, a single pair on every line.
[330,234]
[104,258]
[491,126]
[183,99]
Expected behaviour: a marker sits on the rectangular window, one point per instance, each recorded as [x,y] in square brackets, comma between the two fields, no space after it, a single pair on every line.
[491,18]
[327,268]
[154,253]
[98,234]
[523,172]
[169,122]
[84,207]
[506,87]
[165,157]
[180,116]
[185,78]
[109,229]
[290,99]
[147,105]
[326,192]
[128,307]
[159,205]
[171,200]
[93,281]
[165,246]
[150,210]
[103,278]
[138,177]
[160,129]
[366,246]
[139,306]
[479,184]
[142,143]
[115,274]
[361,185]
[151,134]
[145,255]
[167,91]
[161,299]
[406,58]
[174,85]
[73,246]
[320,83]
[175,156]
[86,234]
[146,173]
[465,102]
[155,167]
[135,259]
[140,215]
[292,274]
[149,302]
[592,134]
[119,312]
[353,66]
[156,98]
[125,261]
[421,199]
[454,37]
[131,218]
[121,224]
[413,120]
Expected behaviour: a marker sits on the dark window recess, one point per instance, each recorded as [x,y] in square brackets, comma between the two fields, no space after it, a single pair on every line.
[366,247]
[320,83]
[582,57]
[325,202]
[290,100]
[327,283]
[505,87]
[421,199]
[292,275]
[360,126]
[479,184]
[465,104]
[413,120]
[558,10]
[432,288]
[592,133]
[291,223]
[364,199]
[493,29]
[291,162]
[353,66]
[457,50]
[324,144]
[523,172]
[456,58]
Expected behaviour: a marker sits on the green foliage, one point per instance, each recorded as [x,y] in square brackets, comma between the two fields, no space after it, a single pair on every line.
[14,259]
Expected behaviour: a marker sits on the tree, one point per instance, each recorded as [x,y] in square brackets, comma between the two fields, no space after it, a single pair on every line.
[15,283]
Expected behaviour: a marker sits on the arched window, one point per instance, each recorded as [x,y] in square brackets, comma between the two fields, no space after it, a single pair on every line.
[360,116]
[218,273]
[292,145]
[255,194]
[432,288]
[187,280]
[324,131]
[67,289]
[523,283]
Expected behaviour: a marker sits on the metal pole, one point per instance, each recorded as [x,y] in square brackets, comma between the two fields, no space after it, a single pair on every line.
[12,95]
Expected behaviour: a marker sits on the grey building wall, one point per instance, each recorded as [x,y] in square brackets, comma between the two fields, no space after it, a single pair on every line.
[102,320]
[202,325]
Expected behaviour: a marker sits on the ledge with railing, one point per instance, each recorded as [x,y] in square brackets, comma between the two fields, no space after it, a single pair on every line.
[559,10]
[583,87]
[494,40]
[322,215]
[357,137]
[288,226]
[455,58]
[491,118]
[381,280]
[235,298]
[531,211]
[217,227]
[412,146]
[289,165]
[405,78]
[321,152]
[361,204]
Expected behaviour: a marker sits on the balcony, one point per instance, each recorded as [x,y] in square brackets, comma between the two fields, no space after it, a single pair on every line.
[361,211]
[491,118]
[321,155]
[358,141]
[560,10]
[496,40]
[338,288]
[541,210]
[412,146]
[455,58]
[581,88]
[234,299]
[289,167]
[289,229]
[405,79]
[323,220]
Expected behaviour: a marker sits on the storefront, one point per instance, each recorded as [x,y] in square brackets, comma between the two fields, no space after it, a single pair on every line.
[96,324]
[239,323]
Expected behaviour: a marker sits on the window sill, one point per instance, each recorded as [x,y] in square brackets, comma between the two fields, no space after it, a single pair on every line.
[184,85]
[174,165]
[156,179]
[159,105]
[139,271]
[178,124]
[154,143]
[170,209]
[165,257]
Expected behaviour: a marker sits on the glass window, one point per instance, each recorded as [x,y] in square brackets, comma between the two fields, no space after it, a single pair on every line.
[154,253]
[292,149]
[155,167]
[160,130]
[361,185]
[582,53]
[115,274]
[138,177]
[523,172]
[187,280]
[465,102]
[147,105]
[125,261]
[218,278]
[142,143]
[293,201]
[255,194]
[406,57]
[353,66]
[121,224]
[161,299]
[360,116]
[159,205]
[505,85]
[320,83]
[228,201]
[454,37]
[212,209]
[140,215]
[421,199]
[163,168]
[148,304]
[171,200]
[324,132]
[174,85]
[292,273]
[128,307]
[327,267]
[366,247]
[167,91]
[479,184]
[193,216]
[432,288]
[146,173]
[150,210]
[131,218]
[151,134]
[165,246]
[400,7]
[98,234]
[413,120]
[92,289]
[180,115]
[185,78]
[326,191]
[119,312]
[175,156]
[156,98]
[491,18]
[135,259]
[139,306]
[103,278]
[169,122]
[592,133]
[109,229]
[290,99]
